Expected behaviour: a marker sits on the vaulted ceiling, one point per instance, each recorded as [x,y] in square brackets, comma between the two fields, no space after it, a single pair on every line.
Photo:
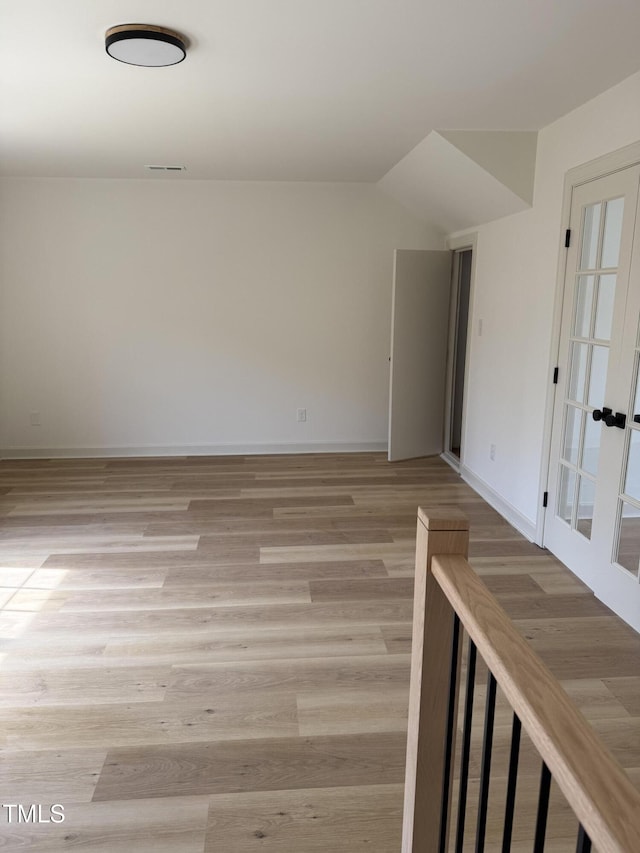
[336,90]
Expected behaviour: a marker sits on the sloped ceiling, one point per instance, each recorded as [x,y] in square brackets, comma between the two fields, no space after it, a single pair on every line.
[447,188]
[507,155]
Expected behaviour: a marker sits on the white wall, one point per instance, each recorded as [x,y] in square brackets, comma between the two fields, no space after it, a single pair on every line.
[515,285]
[168,315]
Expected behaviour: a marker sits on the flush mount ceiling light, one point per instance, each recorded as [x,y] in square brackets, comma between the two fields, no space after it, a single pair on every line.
[144,44]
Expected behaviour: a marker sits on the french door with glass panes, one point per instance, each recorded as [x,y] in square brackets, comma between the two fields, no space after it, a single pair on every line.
[593,519]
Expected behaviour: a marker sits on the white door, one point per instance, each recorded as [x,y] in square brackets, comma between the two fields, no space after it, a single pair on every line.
[419,329]
[593,519]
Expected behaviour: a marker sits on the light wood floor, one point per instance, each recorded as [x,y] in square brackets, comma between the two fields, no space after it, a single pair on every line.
[212,654]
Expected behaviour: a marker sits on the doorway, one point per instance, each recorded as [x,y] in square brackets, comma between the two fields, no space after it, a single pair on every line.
[457,356]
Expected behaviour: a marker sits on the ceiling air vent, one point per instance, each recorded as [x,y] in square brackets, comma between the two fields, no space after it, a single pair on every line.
[166,168]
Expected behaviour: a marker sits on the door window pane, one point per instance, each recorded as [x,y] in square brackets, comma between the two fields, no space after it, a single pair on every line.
[598,376]
[586,500]
[584,303]
[632,479]
[578,372]
[566,493]
[636,405]
[604,310]
[612,233]
[591,447]
[572,434]
[590,234]
[628,541]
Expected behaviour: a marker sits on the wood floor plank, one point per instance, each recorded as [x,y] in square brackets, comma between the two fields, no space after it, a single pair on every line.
[297,538]
[136,560]
[27,650]
[594,700]
[262,527]
[100,506]
[512,585]
[201,719]
[51,776]
[35,600]
[559,583]
[95,579]
[621,737]
[626,692]
[535,564]
[123,543]
[14,623]
[263,505]
[179,825]
[14,577]
[253,765]
[358,589]
[319,553]
[250,572]
[282,643]
[356,819]
[205,618]
[86,686]
[550,606]
[293,675]
[344,711]
[184,596]
[397,638]
[11,559]
[6,594]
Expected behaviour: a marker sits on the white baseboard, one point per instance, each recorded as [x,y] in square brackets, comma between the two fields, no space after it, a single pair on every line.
[451,459]
[521,523]
[192,450]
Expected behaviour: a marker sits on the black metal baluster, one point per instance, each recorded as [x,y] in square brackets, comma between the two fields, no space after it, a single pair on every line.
[466,745]
[485,772]
[584,842]
[543,809]
[511,784]
[448,750]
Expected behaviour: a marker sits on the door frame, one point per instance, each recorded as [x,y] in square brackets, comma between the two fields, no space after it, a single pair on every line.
[615,161]
[465,242]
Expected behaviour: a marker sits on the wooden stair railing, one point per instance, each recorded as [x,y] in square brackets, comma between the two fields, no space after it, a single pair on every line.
[448,596]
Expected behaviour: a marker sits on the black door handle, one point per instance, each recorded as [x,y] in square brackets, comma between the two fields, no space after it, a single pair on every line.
[617,420]
[601,414]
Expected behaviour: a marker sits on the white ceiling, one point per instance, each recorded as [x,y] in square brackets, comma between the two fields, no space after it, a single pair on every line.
[294,89]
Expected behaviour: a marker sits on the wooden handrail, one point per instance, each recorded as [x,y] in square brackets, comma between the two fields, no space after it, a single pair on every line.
[595,786]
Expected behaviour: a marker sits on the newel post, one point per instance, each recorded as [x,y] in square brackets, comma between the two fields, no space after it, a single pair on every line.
[440,531]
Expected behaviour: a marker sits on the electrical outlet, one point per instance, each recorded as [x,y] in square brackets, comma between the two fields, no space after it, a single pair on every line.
[301,416]
[34,418]
[492,452]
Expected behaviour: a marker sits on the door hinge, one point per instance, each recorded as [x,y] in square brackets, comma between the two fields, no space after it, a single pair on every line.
[545,499]
[567,238]
[555,375]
